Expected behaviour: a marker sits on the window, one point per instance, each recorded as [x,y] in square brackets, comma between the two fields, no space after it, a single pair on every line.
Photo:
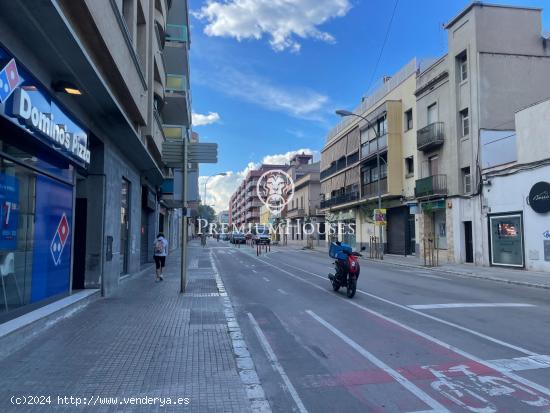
[409,119]
[462,63]
[409,166]
[465,122]
[432,114]
[382,125]
[433,165]
[466,180]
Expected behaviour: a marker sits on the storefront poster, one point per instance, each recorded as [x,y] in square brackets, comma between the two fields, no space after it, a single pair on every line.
[9,211]
[506,240]
[52,239]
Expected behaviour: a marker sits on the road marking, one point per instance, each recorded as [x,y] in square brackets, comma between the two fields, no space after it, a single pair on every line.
[282,291]
[266,279]
[466,305]
[523,363]
[428,337]
[255,272]
[276,365]
[431,317]
[381,365]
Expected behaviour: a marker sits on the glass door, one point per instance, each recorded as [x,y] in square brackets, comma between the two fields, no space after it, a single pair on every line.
[124,225]
[507,240]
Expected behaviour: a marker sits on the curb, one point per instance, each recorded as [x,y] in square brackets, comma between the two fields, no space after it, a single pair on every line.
[463,275]
[245,365]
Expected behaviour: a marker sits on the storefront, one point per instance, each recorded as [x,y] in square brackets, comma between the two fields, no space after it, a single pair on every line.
[41,149]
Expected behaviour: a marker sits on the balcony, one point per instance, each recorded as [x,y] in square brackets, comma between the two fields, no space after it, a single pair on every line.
[370,190]
[430,136]
[435,185]
[369,149]
[340,199]
[296,213]
[176,33]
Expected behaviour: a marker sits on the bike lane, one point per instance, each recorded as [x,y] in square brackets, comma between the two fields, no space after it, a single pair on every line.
[436,372]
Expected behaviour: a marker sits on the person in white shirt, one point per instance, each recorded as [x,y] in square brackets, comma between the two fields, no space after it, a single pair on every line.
[160,251]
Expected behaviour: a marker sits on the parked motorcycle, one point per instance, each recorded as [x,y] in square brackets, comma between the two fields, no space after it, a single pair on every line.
[346,266]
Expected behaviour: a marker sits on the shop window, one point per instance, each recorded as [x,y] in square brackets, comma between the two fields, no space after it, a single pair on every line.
[506,240]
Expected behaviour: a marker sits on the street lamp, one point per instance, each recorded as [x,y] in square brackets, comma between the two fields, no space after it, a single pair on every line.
[345,113]
[205,182]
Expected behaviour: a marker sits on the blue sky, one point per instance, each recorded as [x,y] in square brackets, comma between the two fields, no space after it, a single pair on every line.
[266,98]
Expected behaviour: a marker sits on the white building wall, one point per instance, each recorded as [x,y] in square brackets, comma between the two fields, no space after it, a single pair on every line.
[509,194]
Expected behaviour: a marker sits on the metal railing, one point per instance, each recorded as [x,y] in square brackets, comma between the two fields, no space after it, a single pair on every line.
[431,185]
[370,190]
[340,199]
[430,136]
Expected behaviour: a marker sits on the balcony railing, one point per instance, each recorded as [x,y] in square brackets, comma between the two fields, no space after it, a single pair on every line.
[176,33]
[431,186]
[340,199]
[430,136]
[368,149]
[176,83]
[370,190]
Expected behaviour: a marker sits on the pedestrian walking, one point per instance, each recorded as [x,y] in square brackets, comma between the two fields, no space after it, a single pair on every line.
[203,240]
[160,251]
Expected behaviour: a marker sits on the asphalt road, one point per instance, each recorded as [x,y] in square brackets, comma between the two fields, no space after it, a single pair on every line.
[410,340]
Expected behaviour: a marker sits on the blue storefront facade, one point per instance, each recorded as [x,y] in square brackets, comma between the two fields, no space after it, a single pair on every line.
[42,147]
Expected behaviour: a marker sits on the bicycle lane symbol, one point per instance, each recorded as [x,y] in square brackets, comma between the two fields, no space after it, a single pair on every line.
[483,392]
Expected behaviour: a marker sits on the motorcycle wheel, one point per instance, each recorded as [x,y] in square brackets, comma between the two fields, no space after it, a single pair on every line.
[352,287]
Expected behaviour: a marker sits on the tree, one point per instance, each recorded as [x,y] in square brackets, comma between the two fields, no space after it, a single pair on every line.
[207,212]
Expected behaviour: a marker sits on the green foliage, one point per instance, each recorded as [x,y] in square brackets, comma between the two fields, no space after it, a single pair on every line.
[207,212]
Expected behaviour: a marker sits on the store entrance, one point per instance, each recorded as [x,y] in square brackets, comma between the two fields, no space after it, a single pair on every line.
[79,257]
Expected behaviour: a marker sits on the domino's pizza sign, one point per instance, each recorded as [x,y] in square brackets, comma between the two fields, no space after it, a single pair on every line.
[59,239]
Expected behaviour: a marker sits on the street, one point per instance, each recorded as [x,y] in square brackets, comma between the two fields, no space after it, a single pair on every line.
[411,340]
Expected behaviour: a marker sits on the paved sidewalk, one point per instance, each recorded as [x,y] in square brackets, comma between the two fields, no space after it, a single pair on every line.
[499,274]
[148,340]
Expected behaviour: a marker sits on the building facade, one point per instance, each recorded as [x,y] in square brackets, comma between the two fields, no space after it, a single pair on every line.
[82,124]
[516,192]
[362,161]
[486,76]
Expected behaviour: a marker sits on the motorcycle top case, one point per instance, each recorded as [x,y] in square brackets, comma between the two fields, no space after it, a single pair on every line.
[339,252]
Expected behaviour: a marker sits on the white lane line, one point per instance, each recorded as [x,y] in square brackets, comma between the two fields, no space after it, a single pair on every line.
[282,291]
[466,305]
[433,318]
[381,365]
[428,337]
[523,363]
[276,365]
[255,272]
[267,279]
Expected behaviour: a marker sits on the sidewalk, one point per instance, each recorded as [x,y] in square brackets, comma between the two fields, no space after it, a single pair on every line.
[148,340]
[499,274]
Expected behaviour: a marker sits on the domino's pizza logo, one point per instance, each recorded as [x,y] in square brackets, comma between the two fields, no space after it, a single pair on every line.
[60,239]
[9,80]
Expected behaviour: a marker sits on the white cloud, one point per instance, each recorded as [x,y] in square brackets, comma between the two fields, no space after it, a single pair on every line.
[220,188]
[282,20]
[299,102]
[201,120]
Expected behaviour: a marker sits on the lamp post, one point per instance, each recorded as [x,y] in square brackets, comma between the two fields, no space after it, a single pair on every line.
[345,113]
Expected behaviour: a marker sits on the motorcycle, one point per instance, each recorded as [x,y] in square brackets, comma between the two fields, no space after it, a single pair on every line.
[346,267]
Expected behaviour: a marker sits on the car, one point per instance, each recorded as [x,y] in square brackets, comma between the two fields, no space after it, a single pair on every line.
[261,234]
[237,238]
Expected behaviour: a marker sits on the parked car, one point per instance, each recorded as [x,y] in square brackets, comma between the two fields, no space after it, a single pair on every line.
[237,238]
[261,234]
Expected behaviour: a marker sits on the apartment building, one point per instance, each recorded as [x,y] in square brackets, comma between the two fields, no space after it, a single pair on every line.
[360,156]
[82,123]
[244,204]
[462,99]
